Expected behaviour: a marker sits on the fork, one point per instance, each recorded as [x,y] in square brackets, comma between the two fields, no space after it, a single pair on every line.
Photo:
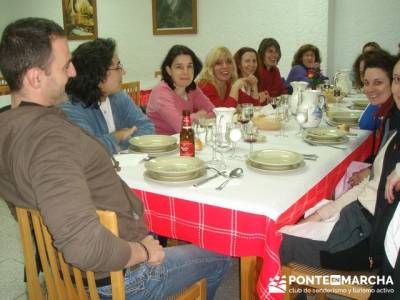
[332,146]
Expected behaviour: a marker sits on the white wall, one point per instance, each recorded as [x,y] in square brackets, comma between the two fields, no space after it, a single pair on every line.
[235,23]
[359,21]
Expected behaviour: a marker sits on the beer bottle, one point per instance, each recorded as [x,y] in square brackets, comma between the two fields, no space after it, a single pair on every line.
[187,135]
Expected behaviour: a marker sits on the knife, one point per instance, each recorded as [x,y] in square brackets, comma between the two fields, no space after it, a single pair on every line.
[206,180]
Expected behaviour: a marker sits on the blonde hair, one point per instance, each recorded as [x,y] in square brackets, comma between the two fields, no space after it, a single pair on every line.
[207,73]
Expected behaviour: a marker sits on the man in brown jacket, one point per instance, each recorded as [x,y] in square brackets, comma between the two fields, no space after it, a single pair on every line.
[50,164]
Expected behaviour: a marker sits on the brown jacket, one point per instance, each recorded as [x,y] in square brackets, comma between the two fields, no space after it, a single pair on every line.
[48,163]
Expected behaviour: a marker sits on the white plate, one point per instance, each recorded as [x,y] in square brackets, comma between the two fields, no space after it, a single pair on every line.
[345,116]
[325,133]
[153,141]
[277,158]
[147,175]
[343,140]
[174,165]
[146,150]
[300,166]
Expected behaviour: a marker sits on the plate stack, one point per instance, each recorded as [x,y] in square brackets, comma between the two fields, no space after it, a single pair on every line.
[175,169]
[153,144]
[271,160]
[343,117]
[325,136]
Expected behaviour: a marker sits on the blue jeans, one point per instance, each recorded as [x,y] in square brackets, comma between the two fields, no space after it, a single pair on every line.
[183,266]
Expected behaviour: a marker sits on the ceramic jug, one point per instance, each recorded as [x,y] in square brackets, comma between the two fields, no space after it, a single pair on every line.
[298,87]
[342,80]
[314,103]
[223,116]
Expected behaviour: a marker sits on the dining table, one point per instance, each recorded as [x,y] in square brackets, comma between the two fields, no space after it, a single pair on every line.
[243,219]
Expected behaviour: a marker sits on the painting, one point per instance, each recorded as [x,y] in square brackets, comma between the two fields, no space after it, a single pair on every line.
[174,16]
[80,19]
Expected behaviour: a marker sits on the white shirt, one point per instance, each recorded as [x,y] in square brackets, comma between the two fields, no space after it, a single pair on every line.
[106,110]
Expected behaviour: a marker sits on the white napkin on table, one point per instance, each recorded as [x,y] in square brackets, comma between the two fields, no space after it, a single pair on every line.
[267,109]
[129,160]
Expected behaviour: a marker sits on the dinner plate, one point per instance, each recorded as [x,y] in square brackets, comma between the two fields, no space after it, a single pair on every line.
[362,103]
[345,116]
[275,157]
[177,166]
[274,171]
[155,150]
[153,142]
[154,178]
[274,168]
[324,133]
[310,140]
[154,154]
[335,124]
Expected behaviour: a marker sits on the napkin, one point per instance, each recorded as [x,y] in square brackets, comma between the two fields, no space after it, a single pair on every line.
[317,231]
[129,160]
[267,109]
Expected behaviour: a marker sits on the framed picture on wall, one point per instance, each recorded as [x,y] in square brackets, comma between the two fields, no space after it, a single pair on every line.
[80,19]
[174,16]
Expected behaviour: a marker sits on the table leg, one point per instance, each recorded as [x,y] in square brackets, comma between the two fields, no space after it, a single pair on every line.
[249,271]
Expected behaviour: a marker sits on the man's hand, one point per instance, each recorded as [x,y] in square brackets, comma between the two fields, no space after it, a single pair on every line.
[392,183]
[124,133]
[156,251]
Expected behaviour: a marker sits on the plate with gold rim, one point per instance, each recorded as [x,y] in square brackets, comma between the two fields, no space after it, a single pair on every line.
[153,141]
[174,165]
[162,180]
[257,168]
[324,133]
[276,157]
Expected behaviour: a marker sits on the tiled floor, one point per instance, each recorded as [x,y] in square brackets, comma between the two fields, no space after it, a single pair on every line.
[12,284]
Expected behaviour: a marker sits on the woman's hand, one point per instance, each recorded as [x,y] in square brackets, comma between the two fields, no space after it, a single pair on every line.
[124,133]
[263,97]
[357,177]
[392,183]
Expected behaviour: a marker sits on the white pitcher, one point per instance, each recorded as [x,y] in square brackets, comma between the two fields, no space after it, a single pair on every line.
[342,80]
[223,116]
[298,87]
[314,103]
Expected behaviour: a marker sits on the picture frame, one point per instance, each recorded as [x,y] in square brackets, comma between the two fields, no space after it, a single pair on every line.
[174,17]
[80,19]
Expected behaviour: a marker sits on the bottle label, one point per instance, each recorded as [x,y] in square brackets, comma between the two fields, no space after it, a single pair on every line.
[187,148]
[186,122]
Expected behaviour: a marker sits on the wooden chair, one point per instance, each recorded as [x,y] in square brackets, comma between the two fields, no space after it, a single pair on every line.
[3,81]
[4,90]
[57,275]
[133,90]
[353,291]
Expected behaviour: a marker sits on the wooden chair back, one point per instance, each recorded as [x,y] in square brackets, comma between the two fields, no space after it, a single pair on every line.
[57,273]
[157,73]
[353,291]
[133,90]
[59,282]
[3,81]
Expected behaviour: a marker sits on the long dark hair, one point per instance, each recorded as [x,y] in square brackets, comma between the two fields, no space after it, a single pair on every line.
[298,56]
[26,43]
[169,59]
[92,61]
[238,60]
[268,43]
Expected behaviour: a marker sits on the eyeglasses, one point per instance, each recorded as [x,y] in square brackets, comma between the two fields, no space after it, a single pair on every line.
[118,67]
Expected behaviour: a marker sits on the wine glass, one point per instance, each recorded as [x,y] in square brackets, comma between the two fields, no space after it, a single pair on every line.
[336,95]
[246,112]
[282,114]
[234,134]
[250,136]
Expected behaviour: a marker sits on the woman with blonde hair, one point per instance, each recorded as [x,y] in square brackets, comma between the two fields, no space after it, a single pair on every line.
[218,79]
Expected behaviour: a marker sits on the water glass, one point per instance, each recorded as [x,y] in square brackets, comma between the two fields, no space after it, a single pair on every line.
[234,135]
[250,136]
[282,114]
[301,118]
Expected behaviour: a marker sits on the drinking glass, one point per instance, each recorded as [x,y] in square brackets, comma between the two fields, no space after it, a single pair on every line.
[336,95]
[246,112]
[250,136]
[282,114]
[234,135]
[301,118]
[215,136]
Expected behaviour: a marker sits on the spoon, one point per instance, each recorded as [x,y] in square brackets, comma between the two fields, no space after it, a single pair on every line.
[235,173]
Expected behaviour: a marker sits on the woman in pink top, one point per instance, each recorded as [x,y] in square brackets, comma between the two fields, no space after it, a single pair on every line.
[218,79]
[177,91]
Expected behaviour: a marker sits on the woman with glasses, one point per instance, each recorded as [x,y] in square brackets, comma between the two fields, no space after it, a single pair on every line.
[177,91]
[96,102]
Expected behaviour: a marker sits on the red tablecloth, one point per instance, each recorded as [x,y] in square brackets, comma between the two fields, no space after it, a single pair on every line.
[238,233]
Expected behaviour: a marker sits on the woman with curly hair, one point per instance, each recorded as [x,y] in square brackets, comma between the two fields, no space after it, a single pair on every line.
[218,79]
[306,57]
[177,91]
[96,102]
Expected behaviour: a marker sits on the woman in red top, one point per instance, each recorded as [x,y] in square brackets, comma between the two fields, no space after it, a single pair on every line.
[271,81]
[218,78]
[246,60]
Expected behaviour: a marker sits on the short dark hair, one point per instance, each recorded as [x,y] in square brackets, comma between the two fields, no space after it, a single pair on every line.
[169,59]
[380,59]
[374,45]
[92,61]
[238,59]
[298,56]
[268,43]
[26,43]
[356,70]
